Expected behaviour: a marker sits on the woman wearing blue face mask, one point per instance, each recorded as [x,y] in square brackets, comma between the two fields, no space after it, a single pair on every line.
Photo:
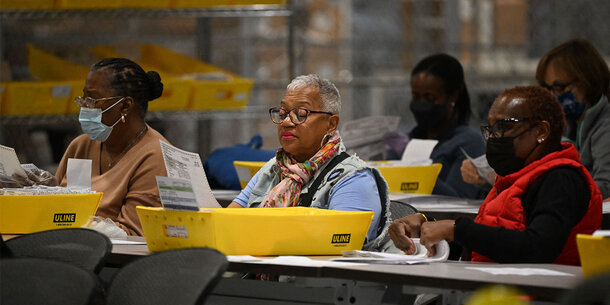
[441,106]
[578,76]
[125,152]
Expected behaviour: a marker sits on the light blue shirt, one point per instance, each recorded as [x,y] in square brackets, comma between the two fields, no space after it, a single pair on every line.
[358,192]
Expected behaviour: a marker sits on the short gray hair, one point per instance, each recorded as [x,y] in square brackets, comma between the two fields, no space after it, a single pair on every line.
[331,100]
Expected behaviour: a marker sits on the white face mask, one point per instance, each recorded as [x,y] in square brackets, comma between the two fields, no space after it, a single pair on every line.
[91,122]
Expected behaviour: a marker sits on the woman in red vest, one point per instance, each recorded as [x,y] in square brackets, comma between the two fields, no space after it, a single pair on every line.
[542,198]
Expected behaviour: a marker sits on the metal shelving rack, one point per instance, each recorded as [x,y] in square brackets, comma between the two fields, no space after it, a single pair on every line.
[203,46]
[215,12]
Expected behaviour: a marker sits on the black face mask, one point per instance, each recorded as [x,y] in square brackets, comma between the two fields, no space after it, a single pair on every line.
[428,115]
[501,155]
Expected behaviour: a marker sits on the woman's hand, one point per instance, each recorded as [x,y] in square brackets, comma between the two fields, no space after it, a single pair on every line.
[401,229]
[435,231]
[470,174]
[41,177]
[34,177]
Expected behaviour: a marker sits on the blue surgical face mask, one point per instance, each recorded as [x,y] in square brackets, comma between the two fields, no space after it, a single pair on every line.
[91,122]
[572,108]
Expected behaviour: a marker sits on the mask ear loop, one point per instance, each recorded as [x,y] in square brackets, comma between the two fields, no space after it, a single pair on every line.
[538,142]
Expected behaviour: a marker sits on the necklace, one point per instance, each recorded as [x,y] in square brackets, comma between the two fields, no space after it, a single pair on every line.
[131,143]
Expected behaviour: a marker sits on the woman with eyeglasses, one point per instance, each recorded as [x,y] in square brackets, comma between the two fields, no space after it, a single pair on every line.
[312,168]
[578,76]
[542,198]
[125,152]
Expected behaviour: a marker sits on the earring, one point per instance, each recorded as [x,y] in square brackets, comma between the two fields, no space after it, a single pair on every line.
[324,139]
[541,140]
[123,117]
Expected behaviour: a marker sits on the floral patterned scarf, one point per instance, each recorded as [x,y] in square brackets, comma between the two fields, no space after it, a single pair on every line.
[294,175]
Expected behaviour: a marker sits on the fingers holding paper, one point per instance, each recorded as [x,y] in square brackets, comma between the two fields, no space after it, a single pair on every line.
[401,230]
[470,174]
[434,232]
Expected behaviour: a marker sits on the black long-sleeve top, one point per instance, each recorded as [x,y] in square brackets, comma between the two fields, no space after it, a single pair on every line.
[553,205]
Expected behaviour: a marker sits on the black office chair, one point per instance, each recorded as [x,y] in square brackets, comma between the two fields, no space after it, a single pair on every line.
[592,291]
[184,276]
[4,250]
[85,248]
[46,281]
[399,209]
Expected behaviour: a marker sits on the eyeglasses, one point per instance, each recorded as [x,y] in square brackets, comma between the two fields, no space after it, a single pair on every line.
[88,102]
[297,115]
[498,129]
[557,89]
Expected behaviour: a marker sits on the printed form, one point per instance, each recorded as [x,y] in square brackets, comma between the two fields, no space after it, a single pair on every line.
[187,165]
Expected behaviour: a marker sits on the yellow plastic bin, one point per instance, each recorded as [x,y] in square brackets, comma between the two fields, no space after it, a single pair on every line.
[214,3]
[256,231]
[246,170]
[176,95]
[411,179]
[145,3]
[3,86]
[88,4]
[49,67]
[594,254]
[26,4]
[22,214]
[30,98]
[212,87]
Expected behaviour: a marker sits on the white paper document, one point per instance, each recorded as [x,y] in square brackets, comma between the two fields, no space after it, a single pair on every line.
[9,163]
[78,173]
[420,256]
[483,168]
[176,193]
[367,130]
[30,167]
[519,271]
[418,152]
[605,233]
[364,137]
[119,241]
[187,165]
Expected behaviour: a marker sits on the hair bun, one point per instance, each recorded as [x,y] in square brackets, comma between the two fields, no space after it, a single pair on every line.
[156,86]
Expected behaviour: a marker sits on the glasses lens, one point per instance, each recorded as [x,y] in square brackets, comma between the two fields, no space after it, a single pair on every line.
[298,115]
[275,115]
[485,132]
[79,101]
[498,129]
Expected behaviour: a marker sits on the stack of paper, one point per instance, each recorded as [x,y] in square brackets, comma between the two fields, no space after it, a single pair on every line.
[420,256]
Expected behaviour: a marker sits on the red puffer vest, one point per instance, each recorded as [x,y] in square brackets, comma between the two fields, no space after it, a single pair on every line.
[502,207]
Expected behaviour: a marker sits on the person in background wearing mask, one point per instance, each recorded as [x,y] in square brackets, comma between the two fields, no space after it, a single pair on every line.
[125,152]
[578,76]
[542,198]
[441,106]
